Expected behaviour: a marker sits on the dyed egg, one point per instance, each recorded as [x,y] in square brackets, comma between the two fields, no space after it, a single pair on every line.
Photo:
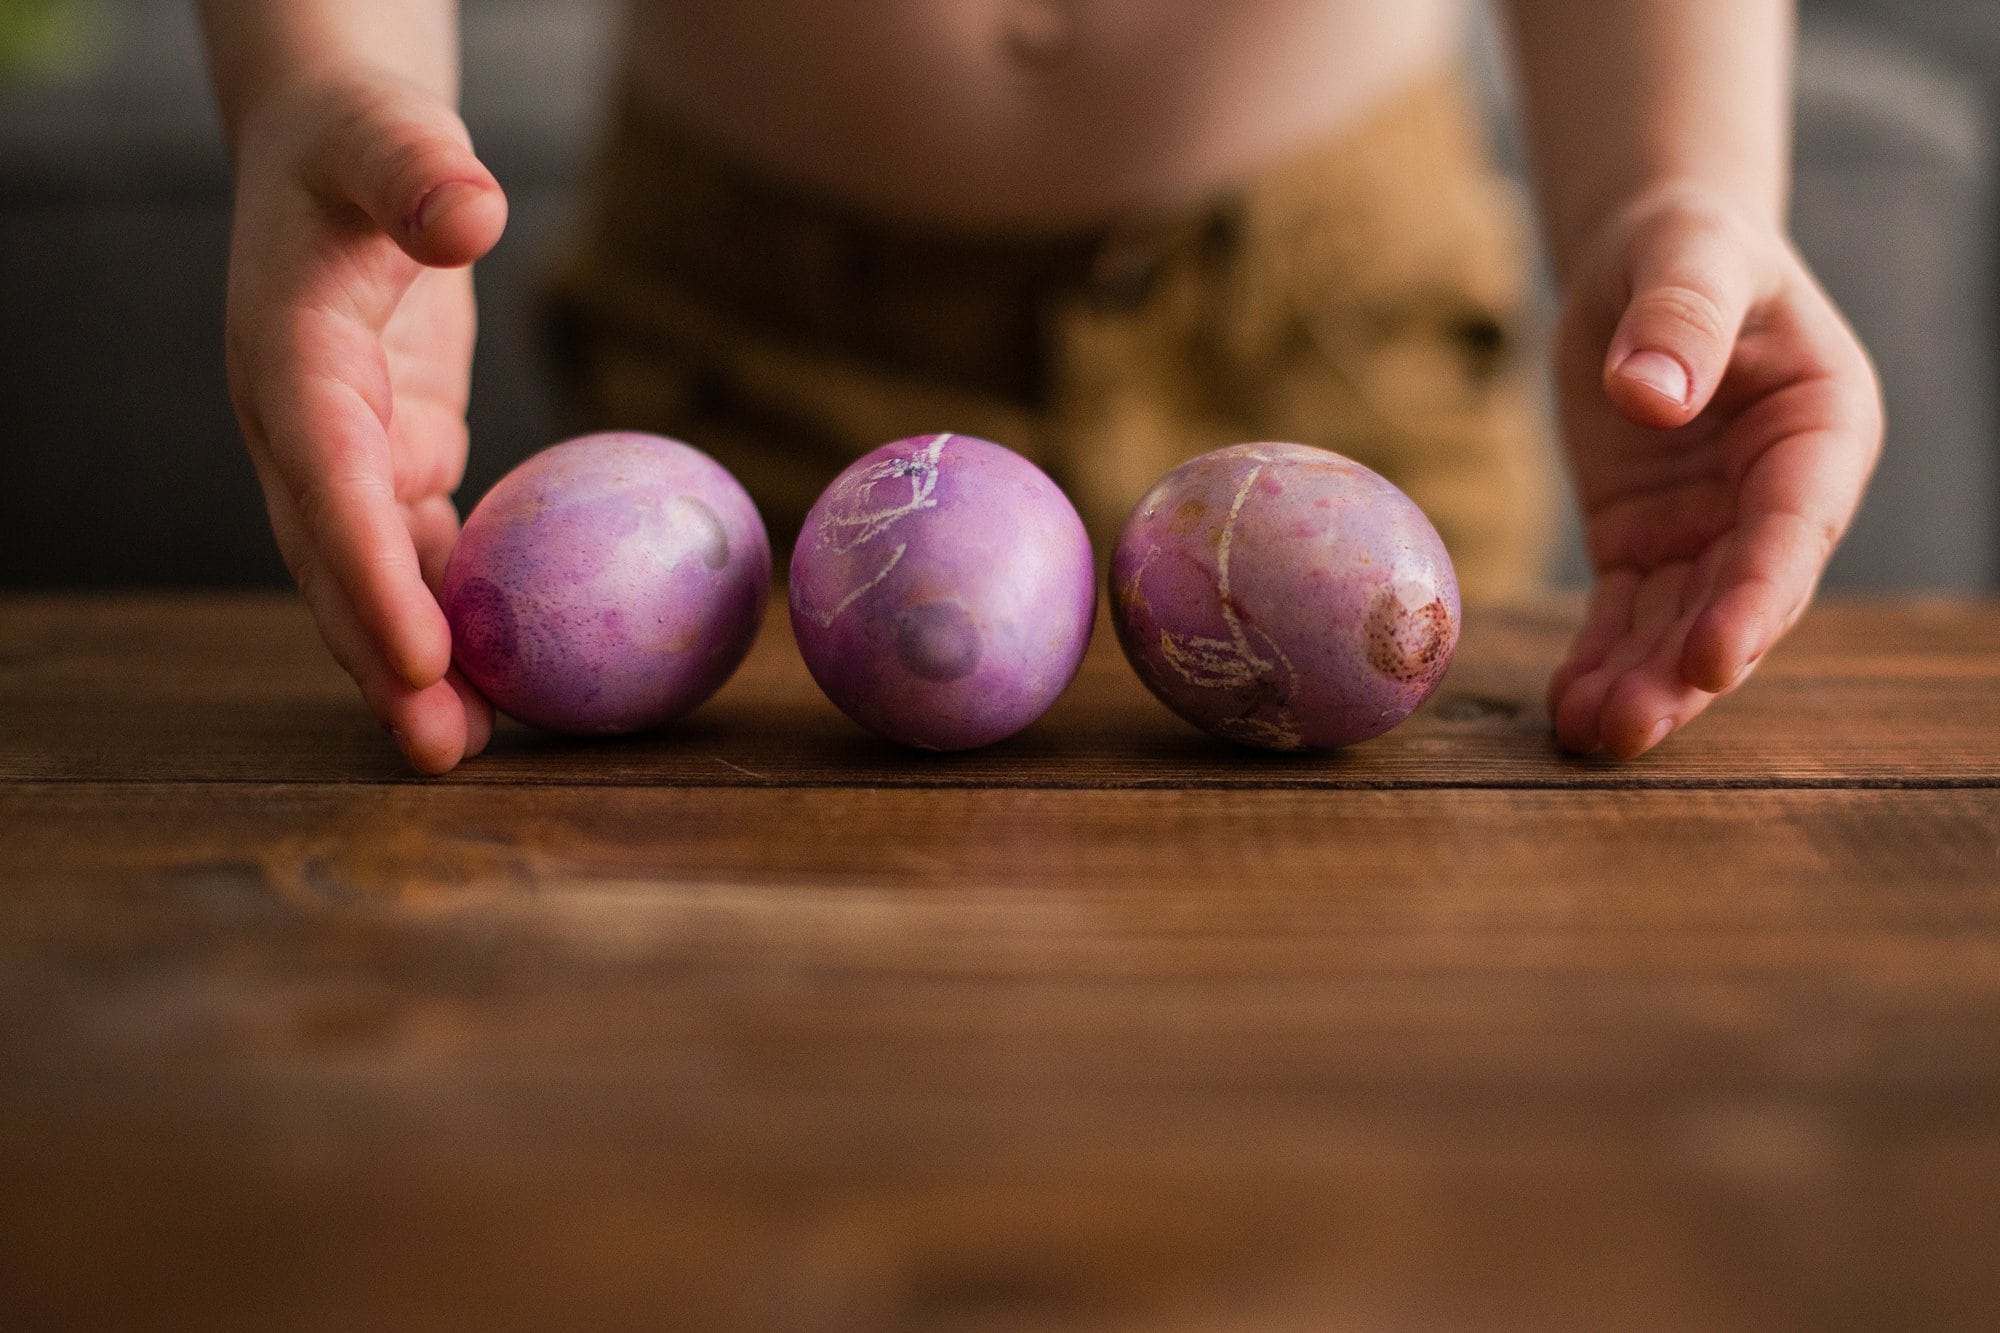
[1284,597]
[943,592]
[607,584]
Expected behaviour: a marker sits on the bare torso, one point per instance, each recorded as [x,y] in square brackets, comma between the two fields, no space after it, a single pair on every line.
[1026,114]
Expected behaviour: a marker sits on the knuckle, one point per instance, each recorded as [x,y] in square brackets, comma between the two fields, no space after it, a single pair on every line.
[433,474]
[310,499]
[388,142]
[1687,309]
[404,165]
[348,135]
[1816,534]
[379,564]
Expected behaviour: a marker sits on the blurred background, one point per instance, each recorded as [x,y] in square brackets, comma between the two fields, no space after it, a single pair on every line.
[119,460]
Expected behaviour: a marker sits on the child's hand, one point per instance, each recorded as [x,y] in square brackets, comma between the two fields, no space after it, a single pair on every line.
[350,332]
[1721,420]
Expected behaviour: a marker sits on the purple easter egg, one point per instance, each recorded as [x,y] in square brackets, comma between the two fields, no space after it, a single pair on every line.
[607,584]
[1284,597]
[943,592]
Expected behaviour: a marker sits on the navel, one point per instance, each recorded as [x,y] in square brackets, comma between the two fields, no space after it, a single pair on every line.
[1039,32]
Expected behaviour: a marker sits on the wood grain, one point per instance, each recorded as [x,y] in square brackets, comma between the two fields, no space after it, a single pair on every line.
[759,1024]
[347,1055]
[155,688]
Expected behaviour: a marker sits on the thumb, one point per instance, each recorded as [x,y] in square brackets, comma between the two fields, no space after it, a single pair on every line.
[405,159]
[1690,292]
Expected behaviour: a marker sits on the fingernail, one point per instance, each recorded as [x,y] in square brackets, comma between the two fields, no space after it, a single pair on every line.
[441,200]
[1659,732]
[1742,674]
[1658,372]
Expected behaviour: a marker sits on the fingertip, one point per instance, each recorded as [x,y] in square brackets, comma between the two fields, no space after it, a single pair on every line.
[426,722]
[1576,718]
[1722,673]
[1565,676]
[1651,388]
[1660,373]
[434,761]
[1644,707]
[1628,742]
[1690,292]
[478,713]
[456,222]
[1712,670]
[1630,723]
[431,730]
[422,652]
[405,159]
[1708,660]
[1607,617]
[1723,645]
[478,731]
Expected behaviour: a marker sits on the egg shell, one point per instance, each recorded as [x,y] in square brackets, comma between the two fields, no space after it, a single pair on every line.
[1284,597]
[943,591]
[607,584]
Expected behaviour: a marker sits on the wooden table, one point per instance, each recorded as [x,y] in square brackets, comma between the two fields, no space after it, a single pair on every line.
[760,1023]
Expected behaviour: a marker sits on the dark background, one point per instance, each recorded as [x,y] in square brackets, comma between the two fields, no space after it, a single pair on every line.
[119,461]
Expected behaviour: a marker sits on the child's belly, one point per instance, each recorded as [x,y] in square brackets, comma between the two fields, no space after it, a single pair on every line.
[1025,114]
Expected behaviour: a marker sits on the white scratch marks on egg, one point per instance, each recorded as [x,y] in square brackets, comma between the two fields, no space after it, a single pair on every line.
[845,532]
[826,620]
[1233,663]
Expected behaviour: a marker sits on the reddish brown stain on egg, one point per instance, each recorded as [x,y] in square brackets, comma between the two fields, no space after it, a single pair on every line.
[1188,516]
[1407,645]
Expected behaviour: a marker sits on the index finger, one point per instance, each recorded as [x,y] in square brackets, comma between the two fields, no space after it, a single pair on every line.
[329,447]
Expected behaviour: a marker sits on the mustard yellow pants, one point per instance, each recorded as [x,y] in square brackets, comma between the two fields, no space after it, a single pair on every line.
[1365,296]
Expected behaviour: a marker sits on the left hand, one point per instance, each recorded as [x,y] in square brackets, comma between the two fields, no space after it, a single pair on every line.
[1721,421]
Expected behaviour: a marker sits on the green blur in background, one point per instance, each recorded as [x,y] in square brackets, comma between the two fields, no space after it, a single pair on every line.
[39,37]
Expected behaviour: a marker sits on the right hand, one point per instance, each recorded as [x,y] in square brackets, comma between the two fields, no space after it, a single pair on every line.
[359,209]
